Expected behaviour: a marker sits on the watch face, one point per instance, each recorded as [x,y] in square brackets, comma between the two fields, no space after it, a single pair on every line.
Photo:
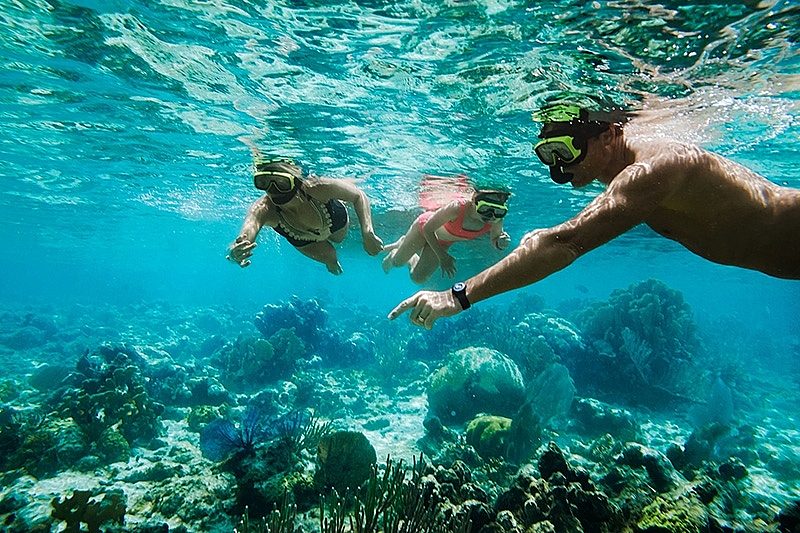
[460,286]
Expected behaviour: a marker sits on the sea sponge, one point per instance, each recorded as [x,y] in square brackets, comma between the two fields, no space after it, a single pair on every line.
[344,461]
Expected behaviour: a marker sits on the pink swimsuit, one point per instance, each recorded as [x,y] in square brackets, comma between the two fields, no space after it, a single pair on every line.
[454,227]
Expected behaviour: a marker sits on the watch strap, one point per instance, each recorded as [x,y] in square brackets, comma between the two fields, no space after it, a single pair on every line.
[459,291]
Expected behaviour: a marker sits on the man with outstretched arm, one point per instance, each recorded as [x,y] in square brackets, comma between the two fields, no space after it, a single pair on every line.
[714,207]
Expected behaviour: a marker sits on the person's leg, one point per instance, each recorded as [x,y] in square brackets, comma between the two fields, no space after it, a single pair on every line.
[325,253]
[403,250]
[338,235]
[426,264]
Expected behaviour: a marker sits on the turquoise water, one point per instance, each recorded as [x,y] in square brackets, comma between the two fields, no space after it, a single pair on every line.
[125,125]
[125,178]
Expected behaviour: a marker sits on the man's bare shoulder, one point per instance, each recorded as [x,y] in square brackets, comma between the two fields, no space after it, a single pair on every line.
[670,160]
[667,152]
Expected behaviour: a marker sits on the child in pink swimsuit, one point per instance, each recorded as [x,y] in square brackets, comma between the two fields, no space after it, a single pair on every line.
[425,244]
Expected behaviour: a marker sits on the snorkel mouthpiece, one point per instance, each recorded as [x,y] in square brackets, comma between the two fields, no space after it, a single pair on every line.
[558,175]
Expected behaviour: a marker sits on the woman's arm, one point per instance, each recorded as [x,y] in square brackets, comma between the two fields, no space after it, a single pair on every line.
[442,216]
[346,190]
[241,249]
[499,238]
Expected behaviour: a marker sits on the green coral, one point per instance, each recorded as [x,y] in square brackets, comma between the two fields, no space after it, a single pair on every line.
[489,435]
[676,513]
[112,446]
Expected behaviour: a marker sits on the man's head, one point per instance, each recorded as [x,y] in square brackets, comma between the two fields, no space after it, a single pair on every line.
[279,177]
[491,204]
[565,138]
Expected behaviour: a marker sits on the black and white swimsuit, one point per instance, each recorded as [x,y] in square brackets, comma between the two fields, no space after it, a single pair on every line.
[332,213]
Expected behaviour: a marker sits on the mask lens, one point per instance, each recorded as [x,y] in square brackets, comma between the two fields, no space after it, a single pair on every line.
[274,181]
[489,210]
[557,149]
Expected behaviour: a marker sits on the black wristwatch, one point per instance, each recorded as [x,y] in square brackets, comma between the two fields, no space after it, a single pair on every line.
[459,291]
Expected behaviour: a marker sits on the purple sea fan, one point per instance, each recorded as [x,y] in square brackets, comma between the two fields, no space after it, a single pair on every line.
[220,437]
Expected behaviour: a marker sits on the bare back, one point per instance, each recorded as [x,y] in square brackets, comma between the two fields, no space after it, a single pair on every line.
[723,211]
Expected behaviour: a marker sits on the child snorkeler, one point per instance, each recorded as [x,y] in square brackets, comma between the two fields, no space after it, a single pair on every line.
[425,245]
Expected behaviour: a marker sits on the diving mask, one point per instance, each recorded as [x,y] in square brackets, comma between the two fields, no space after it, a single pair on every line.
[553,151]
[490,209]
[274,181]
[278,177]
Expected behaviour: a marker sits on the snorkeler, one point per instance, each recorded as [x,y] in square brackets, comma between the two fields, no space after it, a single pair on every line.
[714,207]
[308,211]
[425,245]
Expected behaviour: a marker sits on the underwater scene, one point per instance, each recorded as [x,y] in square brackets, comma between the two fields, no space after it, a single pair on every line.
[149,383]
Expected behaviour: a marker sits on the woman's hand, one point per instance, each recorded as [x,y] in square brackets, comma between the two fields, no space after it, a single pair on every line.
[372,243]
[448,264]
[502,241]
[240,251]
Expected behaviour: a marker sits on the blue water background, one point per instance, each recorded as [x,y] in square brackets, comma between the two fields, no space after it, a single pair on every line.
[125,174]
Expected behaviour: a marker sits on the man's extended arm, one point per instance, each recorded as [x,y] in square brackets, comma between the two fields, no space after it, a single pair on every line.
[622,206]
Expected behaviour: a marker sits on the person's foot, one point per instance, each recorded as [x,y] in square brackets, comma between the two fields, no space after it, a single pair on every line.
[335,268]
[393,246]
[388,262]
[413,261]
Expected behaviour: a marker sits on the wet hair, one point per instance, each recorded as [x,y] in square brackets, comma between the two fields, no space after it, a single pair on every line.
[279,164]
[580,129]
[492,195]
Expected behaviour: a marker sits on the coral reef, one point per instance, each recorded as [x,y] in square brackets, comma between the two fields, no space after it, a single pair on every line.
[306,318]
[108,390]
[84,507]
[563,499]
[646,343]
[249,363]
[228,451]
[475,380]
